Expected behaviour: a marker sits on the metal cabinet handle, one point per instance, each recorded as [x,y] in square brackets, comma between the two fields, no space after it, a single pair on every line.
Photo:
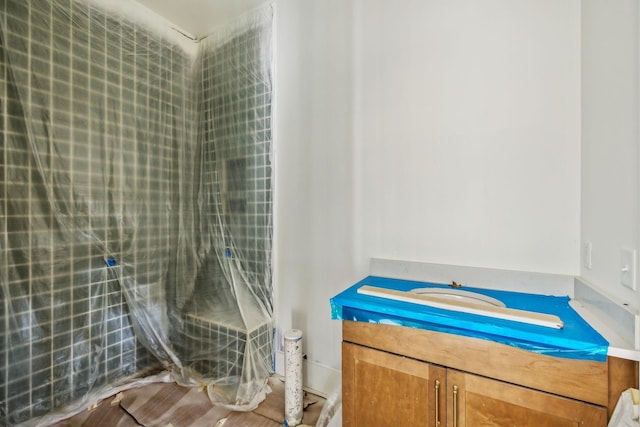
[455,406]
[437,387]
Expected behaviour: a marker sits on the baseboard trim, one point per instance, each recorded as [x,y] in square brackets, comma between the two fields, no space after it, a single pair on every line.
[317,378]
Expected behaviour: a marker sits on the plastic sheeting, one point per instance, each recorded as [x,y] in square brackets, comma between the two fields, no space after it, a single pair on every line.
[576,340]
[135,208]
[627,410]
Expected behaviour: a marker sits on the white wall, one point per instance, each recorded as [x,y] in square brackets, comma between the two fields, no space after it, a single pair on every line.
[468,125]
[315,244]
[610,157]
[197,18]
[444,132]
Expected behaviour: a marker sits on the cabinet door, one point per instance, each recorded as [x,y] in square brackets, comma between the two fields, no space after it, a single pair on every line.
[381,389]
[475,401]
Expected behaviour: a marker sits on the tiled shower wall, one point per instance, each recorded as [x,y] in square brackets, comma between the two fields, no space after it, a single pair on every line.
[236,132]
[235,105]
[93,122]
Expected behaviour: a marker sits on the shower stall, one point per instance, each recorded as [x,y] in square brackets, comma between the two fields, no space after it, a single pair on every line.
[135,207]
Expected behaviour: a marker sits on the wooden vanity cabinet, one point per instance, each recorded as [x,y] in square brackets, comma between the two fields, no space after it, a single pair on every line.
[385,389]
[480,401]
[394,375]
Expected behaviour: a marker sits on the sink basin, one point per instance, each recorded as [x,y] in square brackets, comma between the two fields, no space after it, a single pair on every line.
[459,295]
[464,301]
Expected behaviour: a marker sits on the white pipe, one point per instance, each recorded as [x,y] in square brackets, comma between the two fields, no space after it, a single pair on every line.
[293,377]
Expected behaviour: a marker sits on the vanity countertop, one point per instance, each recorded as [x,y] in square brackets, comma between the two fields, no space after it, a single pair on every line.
[576,340]
[620,343]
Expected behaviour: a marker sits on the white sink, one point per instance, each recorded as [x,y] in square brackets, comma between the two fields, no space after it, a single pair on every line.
[464,301]
[459,295]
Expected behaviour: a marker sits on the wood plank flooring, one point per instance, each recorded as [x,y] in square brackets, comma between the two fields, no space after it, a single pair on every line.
[171,405]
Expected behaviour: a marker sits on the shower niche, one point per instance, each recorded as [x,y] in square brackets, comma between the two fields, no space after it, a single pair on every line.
[235,185]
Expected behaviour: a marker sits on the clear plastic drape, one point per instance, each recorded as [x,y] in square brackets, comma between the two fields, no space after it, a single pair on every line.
[233,227]
[135,208]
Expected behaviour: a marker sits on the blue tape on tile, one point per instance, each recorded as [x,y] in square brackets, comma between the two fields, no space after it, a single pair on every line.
[576,340]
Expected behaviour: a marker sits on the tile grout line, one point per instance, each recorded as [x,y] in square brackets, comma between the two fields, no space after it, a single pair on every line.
[5,238]
[30,204]
[72,374]
[90,36]
[52,221]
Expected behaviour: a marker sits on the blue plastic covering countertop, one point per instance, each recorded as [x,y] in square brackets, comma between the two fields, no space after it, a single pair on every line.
[577,340]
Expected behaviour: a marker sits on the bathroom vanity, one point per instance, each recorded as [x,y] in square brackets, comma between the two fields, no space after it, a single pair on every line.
[407,364]
[395,375]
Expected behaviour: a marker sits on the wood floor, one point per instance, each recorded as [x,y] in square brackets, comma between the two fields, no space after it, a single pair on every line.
[171,405]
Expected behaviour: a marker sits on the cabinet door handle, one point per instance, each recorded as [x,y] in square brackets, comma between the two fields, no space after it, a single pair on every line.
[455,406]
[437,387]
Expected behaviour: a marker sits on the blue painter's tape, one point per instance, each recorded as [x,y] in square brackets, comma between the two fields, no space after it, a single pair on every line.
[576,340]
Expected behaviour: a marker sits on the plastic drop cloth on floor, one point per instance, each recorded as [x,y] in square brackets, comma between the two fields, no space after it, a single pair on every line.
[627,410]
[135,206]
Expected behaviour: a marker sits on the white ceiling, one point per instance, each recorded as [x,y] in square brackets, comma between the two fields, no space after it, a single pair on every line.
[199,17]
